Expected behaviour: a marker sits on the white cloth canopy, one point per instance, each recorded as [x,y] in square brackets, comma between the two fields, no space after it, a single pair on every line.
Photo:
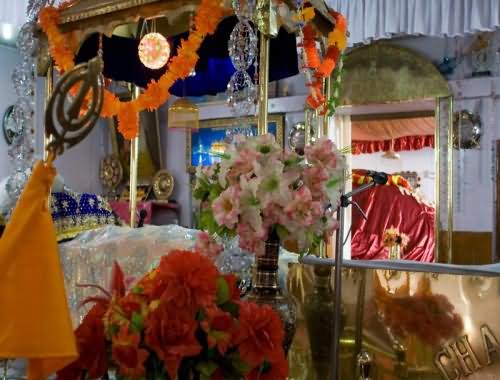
[13,12]
[376,19]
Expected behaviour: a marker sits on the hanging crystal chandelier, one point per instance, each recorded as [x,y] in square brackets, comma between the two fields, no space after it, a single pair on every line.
[242,46]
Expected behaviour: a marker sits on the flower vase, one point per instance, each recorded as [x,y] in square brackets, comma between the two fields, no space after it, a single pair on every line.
[266,289]
[318,311]
[395,252]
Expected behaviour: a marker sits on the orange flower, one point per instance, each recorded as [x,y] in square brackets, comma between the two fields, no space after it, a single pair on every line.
[187,280]
[170,333]
[111,105]
[128,121]
[337,38]
[153,96]
[276,369]
[260,334]
[341,22]
[328,65]
[127,354]
[208,16]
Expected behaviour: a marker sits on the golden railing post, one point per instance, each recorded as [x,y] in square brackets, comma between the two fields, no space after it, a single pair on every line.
[134,163]
[263,83]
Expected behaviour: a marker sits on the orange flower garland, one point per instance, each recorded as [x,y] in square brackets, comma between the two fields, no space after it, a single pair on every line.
[62,50]
[337,42]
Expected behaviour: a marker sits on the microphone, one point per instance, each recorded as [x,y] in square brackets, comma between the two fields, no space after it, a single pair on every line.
[380,178]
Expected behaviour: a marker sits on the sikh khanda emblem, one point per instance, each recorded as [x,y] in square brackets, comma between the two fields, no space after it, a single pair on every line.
[75,105]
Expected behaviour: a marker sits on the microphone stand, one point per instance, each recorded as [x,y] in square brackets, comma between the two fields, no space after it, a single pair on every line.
[339,261]
[378,179]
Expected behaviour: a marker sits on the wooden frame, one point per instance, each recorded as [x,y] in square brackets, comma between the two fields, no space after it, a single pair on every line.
[227,123]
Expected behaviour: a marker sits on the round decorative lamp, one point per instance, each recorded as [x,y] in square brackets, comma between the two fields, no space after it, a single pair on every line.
[154,51]
[183,114]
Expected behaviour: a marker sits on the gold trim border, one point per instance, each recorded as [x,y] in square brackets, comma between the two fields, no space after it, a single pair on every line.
[233,122]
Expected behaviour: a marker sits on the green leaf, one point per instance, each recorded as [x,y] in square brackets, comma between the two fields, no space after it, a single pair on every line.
[207,368]
[333,182]
[282,232]
[238,364]
[137,290]
[223,293]
[113,329]
[137,322]
[231,308]
[264,149]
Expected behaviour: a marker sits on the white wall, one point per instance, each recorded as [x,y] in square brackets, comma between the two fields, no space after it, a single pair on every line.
[8,60]
[421,161]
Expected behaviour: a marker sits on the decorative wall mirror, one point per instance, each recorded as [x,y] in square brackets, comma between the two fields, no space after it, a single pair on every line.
[9,125]
[467,130]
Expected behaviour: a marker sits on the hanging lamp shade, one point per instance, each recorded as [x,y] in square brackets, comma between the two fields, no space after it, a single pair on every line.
[183,114]
[391,154]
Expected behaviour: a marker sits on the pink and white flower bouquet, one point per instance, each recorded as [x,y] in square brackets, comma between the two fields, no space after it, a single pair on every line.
[257,188]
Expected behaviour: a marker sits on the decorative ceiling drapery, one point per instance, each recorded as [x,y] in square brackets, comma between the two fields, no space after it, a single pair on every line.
[398,134]
[405,143]
[370,20]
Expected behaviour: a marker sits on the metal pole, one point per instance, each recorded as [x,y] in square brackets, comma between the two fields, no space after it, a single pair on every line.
[337,300]
[49,88]
[328,94]
[134,163]
[450,181]
[263,83]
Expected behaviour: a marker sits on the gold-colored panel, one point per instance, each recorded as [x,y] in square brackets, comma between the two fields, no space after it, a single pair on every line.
[384,73]
[411,325]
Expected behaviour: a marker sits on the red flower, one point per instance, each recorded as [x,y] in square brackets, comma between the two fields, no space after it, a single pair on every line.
[232,283]
[170,332]
[187,280]
[219,326]
[217,375]
[276,369]
[127,354]
[260,336]
[91,343]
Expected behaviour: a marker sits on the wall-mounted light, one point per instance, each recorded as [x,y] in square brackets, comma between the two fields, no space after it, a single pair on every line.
[7,32]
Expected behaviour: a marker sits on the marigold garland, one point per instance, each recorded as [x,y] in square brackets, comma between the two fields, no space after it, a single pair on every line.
[62,48]
[337,42]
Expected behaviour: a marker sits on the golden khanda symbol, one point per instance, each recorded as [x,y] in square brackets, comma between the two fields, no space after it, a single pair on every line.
[75,105]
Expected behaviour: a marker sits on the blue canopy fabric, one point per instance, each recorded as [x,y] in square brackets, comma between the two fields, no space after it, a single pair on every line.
[213,70]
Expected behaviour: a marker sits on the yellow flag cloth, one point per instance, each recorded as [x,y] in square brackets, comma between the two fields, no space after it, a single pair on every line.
[34,317]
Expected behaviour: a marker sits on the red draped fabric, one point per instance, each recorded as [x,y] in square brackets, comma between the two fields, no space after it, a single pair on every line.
[386,206]
[400,144]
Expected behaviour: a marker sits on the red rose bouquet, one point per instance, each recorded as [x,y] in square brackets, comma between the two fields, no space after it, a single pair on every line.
[183,320]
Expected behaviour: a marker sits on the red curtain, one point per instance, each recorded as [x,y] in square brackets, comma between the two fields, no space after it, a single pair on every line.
[400,144]
[386,206]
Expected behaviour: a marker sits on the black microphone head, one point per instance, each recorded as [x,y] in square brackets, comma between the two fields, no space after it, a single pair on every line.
[380,178]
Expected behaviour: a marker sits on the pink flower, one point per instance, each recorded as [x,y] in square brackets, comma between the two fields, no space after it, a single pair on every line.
[250,240]
[243,164]
[315,178]
[302,209]
[226,207]
[322,153]
[206,245]
[274,214]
